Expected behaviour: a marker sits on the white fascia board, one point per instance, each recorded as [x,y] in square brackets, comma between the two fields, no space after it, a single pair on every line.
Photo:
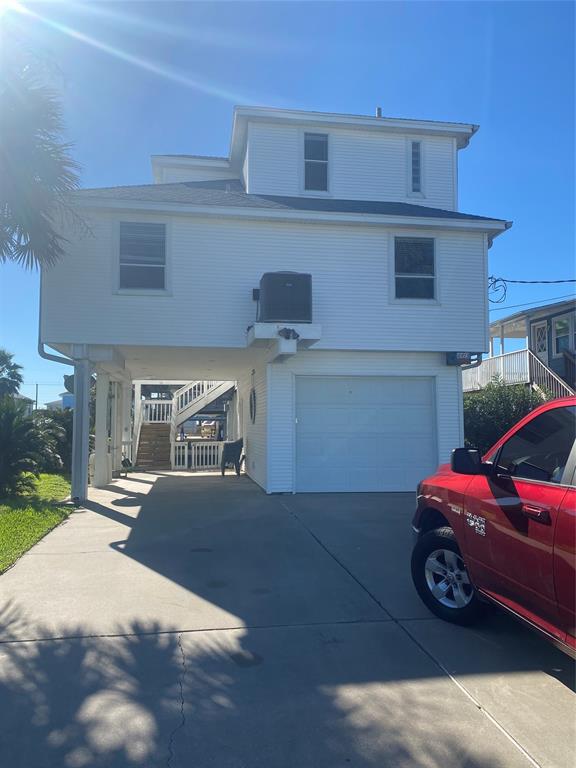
[480,225]
[191,162]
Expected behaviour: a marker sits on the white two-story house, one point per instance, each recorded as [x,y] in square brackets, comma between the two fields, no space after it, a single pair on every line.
[356,395]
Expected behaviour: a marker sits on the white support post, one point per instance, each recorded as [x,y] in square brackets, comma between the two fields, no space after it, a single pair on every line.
[127,435]
[502,339]
[80,430]
[101,461]
[491,346]
[116,426]
[137,401]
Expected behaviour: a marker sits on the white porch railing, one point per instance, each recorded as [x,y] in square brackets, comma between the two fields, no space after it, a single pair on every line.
[156,411]
[199,454]
[136,438]
[520,367]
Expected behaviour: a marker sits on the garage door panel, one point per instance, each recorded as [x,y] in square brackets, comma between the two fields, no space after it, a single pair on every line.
[364,433]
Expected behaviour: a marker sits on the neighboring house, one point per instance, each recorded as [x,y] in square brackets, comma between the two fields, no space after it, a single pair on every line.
[65,401]
[359,399]
[27,402]
[547,362]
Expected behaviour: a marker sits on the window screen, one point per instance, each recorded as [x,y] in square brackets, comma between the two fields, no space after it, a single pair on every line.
[414,268]
[142,255]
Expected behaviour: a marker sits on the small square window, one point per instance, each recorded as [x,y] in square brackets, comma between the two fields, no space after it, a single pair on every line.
[414,268]
[142,255]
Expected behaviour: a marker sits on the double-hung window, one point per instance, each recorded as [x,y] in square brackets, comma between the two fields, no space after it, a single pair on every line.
[316,162]
[142,255]
[414,268]
[416,166]
[561,333]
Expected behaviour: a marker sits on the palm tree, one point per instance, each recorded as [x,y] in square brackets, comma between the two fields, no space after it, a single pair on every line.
[36,169]
[10,376]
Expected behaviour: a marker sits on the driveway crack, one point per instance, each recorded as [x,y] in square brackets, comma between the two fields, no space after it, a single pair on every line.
[182,723]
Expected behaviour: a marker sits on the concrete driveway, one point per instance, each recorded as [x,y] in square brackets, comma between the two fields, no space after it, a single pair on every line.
[194,621]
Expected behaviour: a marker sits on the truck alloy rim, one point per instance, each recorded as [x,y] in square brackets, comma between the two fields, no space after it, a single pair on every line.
[447,578]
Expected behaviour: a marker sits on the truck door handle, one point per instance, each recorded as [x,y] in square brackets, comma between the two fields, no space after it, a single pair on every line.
[540,514]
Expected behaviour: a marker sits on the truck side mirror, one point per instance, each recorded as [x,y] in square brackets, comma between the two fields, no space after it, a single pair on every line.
[466,461]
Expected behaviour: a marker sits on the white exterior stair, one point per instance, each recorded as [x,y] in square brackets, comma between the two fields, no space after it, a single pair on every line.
[193,397]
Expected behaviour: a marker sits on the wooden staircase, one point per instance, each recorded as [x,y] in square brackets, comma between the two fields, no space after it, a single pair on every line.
[154,446]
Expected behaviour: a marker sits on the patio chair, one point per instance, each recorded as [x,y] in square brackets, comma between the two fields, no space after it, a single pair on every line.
[232,456]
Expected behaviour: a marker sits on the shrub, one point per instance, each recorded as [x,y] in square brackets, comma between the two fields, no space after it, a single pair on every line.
[61,428]
[27,443]
[491,411]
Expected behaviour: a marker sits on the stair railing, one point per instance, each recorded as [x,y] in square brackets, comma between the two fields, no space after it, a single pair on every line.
[136,437]
[184,397]
[545,379]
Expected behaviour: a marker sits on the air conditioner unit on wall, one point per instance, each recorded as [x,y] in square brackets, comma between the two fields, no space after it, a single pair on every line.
[285,297]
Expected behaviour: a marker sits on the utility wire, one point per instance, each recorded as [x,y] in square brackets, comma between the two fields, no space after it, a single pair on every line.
[529,303]
[498,286]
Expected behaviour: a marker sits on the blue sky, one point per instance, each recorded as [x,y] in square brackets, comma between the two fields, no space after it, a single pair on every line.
[159,77]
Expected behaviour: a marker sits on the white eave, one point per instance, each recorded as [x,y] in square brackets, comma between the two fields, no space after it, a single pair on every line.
[492,226]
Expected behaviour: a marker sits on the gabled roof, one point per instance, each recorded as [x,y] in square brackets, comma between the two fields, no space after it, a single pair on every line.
[231,194]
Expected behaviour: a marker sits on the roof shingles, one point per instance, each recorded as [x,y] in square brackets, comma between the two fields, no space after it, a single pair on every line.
[231,194]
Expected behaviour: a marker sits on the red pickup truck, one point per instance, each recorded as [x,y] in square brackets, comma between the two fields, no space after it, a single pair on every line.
[502,528]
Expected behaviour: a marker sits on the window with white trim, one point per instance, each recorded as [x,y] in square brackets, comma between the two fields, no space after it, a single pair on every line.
[416,166]
[414,268]
[316,162]
[142,255]
[562,331]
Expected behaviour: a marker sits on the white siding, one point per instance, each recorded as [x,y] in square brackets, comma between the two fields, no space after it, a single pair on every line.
[255,435]
[281,406]
[174,174]
[363,165]
[351,267]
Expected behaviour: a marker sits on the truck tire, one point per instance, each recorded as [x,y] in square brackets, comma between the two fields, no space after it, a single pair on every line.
[441,578]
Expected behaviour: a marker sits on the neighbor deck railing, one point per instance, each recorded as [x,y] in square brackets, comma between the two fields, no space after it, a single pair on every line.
[520,367]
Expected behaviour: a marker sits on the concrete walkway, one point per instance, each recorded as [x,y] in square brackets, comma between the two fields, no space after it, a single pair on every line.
[194,621]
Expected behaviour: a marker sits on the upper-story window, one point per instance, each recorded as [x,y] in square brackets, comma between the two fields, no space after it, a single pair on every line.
[416,166]
[414,268]
[142,255]
[316,162]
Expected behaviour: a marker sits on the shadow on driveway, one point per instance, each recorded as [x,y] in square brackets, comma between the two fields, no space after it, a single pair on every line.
[280,645]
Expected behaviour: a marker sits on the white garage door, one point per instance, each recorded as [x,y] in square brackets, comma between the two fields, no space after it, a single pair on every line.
[364,433]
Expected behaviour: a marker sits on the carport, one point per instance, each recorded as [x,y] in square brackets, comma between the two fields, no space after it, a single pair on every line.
[193,620]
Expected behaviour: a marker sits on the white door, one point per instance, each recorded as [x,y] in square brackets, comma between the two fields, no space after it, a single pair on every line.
[364,433]
[540,340]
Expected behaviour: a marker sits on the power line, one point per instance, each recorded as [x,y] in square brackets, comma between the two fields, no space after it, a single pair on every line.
[529,303]
[531,282]
[498,286]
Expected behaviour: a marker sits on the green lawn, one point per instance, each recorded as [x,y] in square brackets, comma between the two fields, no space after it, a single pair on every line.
[25,519]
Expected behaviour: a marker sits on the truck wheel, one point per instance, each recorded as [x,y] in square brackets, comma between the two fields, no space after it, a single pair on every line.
[441,578]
